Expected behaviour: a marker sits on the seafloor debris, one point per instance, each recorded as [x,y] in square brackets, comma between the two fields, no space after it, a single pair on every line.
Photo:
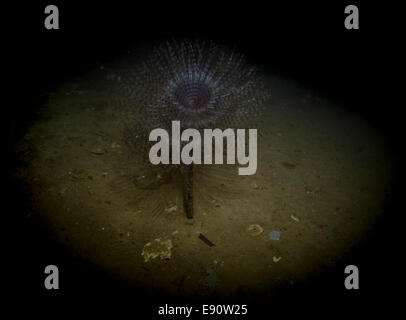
[254,230]
[171,208]
[294,218]
[115,145]
[275,235]
[98,150]
[157,248]
[276,259]
[205,240]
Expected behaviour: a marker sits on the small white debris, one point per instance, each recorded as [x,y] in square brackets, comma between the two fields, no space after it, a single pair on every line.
[276,259]
[171,209]
[295,218]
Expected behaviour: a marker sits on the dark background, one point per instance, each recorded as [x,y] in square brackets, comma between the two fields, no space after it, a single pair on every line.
[305,41]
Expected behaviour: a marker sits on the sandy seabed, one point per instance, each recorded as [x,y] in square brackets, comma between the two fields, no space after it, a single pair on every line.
[321,181]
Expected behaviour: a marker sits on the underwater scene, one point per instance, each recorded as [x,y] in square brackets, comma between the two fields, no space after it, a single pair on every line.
[202,163]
